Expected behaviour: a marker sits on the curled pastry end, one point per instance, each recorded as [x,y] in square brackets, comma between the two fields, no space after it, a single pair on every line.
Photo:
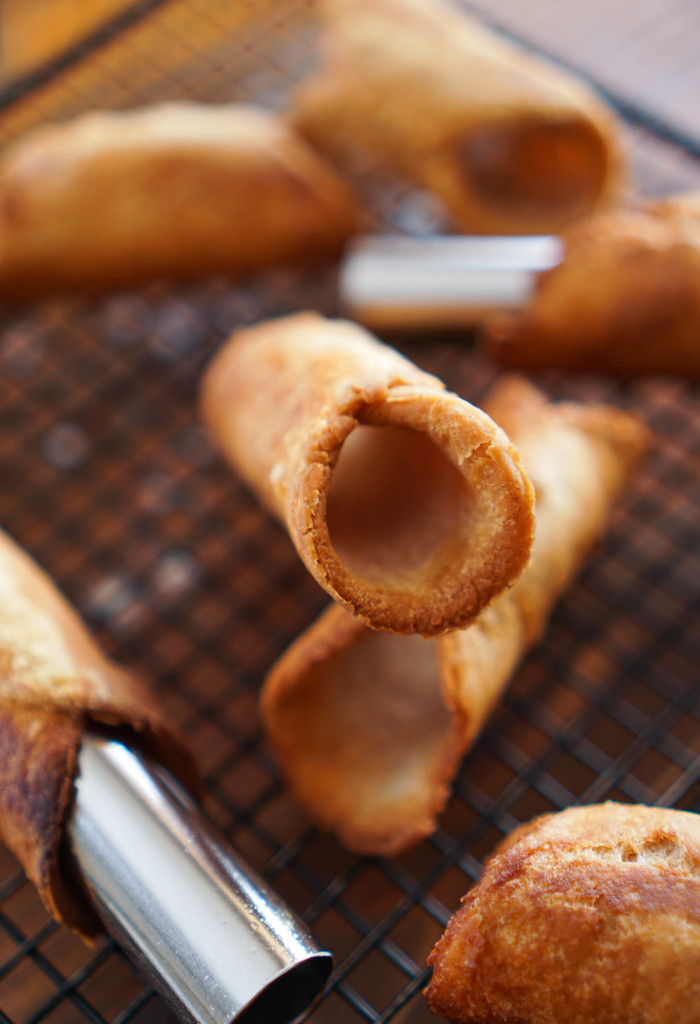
[407,504]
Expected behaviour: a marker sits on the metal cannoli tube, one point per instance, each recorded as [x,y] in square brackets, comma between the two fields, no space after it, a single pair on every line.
[213,938]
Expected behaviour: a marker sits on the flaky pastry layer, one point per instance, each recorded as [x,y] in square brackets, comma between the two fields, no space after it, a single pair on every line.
[177,191]
[369,728]
[585,916]
[406,503]
[511,144]
[625,299]
[54,683]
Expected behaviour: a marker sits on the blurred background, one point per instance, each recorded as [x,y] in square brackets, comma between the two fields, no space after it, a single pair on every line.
[110,481]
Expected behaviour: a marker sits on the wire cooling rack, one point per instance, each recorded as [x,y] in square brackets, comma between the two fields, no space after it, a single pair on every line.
[109,480]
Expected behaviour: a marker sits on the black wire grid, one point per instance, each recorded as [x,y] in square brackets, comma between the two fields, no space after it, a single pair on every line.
[110,481]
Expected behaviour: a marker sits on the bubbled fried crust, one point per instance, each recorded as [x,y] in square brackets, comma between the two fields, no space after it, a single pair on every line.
[624,300]
[588,916]
[54,683]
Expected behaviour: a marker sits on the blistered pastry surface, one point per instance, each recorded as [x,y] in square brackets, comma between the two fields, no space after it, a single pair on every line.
[591,914]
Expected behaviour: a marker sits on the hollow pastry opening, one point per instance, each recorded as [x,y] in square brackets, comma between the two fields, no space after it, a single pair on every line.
[369,739]
[534,170]
[397,508]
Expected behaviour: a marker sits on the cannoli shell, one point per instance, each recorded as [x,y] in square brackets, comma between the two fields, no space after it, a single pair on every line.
[369,728]
[588,915]
[510,143]
[54,683]
[179,190]
[362,732]
[624,300]
[406,503]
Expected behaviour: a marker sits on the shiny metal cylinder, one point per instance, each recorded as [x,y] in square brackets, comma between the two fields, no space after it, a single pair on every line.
[206,930]
[393,281]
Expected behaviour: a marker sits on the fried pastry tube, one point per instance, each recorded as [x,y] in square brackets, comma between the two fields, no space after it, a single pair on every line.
[511,144]
[54,683]
[369,728]
[406,503]
[588,915]
[625,299]
[179,190]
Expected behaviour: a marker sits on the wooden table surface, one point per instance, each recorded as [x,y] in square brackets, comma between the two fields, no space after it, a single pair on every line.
[646,52]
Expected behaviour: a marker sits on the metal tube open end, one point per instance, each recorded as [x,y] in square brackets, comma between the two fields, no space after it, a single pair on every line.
[215,941]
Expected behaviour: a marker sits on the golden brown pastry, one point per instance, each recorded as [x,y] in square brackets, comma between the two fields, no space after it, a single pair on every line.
[54,682]
[364,736]
[589,916]
[407,504]
[624,300]
[177,191]
[369,728]
[511,144]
